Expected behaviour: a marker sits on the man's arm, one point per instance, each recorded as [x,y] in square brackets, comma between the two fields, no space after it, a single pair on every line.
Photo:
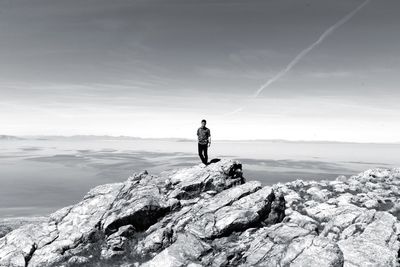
[209,137]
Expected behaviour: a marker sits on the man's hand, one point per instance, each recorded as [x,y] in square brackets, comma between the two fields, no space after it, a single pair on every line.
[209,144]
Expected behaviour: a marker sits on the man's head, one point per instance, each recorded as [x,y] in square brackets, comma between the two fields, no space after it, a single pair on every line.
[203,123]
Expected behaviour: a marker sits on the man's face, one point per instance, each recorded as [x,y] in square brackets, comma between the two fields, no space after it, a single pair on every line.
[203,124]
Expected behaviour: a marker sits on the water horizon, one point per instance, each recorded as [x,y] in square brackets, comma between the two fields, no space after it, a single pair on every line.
[41,176]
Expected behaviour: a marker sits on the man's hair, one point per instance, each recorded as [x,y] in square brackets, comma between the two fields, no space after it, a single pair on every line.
[204,121]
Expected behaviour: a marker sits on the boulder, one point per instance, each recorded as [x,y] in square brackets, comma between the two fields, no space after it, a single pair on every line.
[210,216]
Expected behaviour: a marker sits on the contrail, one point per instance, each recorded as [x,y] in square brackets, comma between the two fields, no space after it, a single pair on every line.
[304,52]
[307,50]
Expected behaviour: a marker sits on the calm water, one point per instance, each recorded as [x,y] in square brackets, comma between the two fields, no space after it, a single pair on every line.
[39,176]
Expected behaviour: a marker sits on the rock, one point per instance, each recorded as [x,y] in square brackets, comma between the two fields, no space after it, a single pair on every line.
[375,244]
[78,260]
[117,243]
[282,244]
[318,194]
[210,216]
[9,224]
[187,249]
[341,178]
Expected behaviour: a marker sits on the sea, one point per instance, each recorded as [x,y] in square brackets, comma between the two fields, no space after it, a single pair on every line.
[42,174]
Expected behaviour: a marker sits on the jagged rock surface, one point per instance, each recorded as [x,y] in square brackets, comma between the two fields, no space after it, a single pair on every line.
[9,224]
[209,216]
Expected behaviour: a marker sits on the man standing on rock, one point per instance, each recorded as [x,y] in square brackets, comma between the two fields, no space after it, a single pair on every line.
[204,137]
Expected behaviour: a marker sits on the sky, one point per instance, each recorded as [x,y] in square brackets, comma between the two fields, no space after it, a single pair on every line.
[156,68]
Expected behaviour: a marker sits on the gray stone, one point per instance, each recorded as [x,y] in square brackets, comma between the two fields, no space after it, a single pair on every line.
[209,216]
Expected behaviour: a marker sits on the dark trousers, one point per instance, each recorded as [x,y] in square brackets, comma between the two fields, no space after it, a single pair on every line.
[203,153]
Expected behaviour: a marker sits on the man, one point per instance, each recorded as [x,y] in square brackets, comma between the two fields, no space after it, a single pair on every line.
[204,137]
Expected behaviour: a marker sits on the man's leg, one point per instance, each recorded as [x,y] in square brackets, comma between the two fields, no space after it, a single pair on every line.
[200,149]
[206,154]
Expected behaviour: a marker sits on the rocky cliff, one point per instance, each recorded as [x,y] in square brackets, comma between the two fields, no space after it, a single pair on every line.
[209,216]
